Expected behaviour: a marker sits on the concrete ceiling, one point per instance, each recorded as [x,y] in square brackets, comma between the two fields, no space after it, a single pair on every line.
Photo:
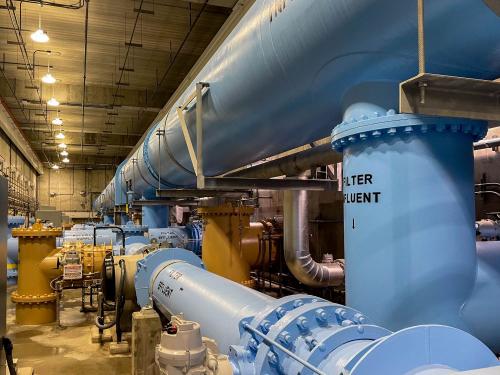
[138,53]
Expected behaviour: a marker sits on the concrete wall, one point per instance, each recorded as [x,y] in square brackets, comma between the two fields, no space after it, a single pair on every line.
[487,169]
[67,183]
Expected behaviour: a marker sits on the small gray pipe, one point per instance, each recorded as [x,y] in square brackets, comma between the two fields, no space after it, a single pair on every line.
[487,143]
[292,165]
[297,255]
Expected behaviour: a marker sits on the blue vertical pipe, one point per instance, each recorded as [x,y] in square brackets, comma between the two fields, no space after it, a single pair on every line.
[108,220]
[286,74]
[298,334]
[410,247]
[480,310]
[155,216]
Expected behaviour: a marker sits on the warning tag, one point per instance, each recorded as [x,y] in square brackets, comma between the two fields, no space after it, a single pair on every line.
[73,272]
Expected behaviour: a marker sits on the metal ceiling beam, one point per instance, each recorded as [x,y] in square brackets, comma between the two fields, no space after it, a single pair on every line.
[97,106]
[77,130]
[215,3]
[54,146]
[98,96]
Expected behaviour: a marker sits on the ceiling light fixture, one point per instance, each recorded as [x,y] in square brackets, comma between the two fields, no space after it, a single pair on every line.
[40,35]
[60,135]
[53,102]
[65,160]
[55,166]
[62,145]
[64,153]
[49,79]
[57,121]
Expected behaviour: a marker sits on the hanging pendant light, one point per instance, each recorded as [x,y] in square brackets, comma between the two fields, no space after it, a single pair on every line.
[60,135]
[40,35]
[57,121]
[65,160]
[48,77]
[64,153]
[53,102]
[62,145]
[55,166]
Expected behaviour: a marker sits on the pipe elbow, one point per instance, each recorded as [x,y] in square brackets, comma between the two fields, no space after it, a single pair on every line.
[311,273]
[296,245]
[50,264]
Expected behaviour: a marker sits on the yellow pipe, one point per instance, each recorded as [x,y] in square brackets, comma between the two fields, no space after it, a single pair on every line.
[35,300]
[50,264]
[231,243]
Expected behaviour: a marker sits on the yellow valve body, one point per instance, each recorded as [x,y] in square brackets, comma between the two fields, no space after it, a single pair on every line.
[35,300]
[231,242]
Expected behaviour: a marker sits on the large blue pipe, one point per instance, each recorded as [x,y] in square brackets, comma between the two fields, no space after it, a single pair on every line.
[410,248]
[298,334]
[286,75]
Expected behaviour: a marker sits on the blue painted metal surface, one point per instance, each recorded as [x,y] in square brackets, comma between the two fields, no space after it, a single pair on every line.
[286,74]
[480,311]
[408,223]
[130,229]
[298,334]
[86,235]
[13,245]
[120,191]
[155,216]
[188,237]
[108,220]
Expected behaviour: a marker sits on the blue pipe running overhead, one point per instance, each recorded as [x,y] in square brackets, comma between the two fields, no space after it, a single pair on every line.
[285,74]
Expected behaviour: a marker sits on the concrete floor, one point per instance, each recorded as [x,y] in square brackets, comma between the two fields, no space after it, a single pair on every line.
[50,350]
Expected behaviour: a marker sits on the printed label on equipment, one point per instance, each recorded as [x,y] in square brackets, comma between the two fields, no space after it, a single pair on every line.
[360,197]
[165,289]
[73,272]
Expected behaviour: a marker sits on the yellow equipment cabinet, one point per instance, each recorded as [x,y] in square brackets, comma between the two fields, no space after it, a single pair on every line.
[35,300]
[231,244]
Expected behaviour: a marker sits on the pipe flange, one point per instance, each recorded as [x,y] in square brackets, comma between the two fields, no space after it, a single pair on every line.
[276,310]
[32,299]
[428,345]
[226,210]
[300,325]
[36,230]
[391,124]
[15,221]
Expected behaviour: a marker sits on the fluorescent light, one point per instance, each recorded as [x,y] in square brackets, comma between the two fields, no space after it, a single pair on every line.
[40,36]
[55,166]
[57,121]
[64,153]
[60,135]
[53,102]
[62,145]
[48,78]
[65,160]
